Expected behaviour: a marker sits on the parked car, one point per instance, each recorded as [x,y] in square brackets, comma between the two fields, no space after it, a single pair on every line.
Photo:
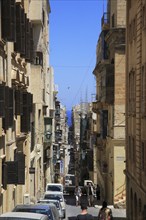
[23,216]
[57,196]
[57,203]
[37,208]
[54,187]
[54,210]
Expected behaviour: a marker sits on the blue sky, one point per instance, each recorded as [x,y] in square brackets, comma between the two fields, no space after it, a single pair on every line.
[75,26]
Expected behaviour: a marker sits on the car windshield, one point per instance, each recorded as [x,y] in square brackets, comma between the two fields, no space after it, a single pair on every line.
[55,197]
[50,201]
[53,188]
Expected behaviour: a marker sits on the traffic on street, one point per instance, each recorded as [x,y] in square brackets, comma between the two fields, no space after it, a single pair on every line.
[72,210]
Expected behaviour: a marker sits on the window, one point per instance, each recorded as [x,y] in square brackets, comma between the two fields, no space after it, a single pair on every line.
[134,27]
[133,148]
[2,63]
[2,101]
[144,16]
[129,147]
[113,20]
[143,90]
[142,156]
[32,136]
[8,20]
[132,92]
[129,3]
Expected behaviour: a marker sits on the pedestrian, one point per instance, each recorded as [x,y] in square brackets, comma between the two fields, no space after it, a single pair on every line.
[98,192]
[84,214]
[90,195]
[105,213]
[78,194]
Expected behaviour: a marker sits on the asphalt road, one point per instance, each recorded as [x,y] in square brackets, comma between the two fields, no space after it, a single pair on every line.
[72,210]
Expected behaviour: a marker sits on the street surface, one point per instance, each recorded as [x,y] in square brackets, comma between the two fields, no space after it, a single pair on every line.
[72,210]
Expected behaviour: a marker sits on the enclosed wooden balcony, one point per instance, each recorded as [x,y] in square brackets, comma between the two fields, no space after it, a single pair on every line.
[35,11]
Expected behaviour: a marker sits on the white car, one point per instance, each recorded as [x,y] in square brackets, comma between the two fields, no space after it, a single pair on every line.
[54,187]
[56,196]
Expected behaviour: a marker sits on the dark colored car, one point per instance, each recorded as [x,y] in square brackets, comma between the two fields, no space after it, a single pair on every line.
[57,204]
[36,208]
[22,216]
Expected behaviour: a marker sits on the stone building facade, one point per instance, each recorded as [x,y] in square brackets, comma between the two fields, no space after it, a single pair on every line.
[136,109]
[110,104]
[27,94]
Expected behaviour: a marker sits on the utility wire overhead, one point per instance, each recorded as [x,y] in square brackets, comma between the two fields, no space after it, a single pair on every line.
[85,75]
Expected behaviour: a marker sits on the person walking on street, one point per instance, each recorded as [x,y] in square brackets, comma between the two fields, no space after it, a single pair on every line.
[84,214]
[90,195]
[105,213]
[78,194]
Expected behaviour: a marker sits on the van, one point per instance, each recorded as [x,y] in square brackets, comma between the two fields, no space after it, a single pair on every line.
[54,187]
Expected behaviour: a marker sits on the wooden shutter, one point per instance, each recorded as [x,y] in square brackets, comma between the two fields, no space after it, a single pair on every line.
[12,172]
[90,160]
[20,158]
[4,175]
[25,118]
[23,29]
[17,45]
[6,118]
[10,107]
[8,20]
[27,56]
[31,44]
[18,102]
[30,100]
[0,173]
[144,103]
[145,157]
[104,121]
[2,101]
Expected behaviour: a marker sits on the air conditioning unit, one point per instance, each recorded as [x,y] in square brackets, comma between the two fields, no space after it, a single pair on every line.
[26,199]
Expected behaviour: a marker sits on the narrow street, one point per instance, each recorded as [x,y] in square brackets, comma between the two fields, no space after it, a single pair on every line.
[72,211]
